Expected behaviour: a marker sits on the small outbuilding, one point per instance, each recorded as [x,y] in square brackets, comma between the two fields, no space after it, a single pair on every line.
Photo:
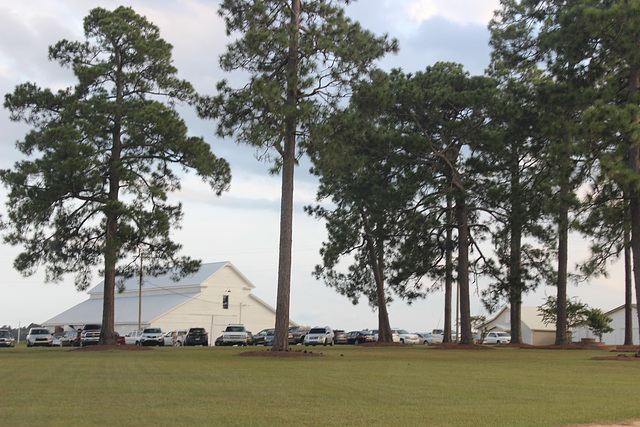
[617,323]
[534,330]
[217,295]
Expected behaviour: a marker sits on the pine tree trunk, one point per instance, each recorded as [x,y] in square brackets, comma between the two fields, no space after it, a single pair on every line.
[561,308]
[634,194]
[376,261]
[281,337]
[448,285]
[563,246]
[462,213]
[628,289]
[515,253]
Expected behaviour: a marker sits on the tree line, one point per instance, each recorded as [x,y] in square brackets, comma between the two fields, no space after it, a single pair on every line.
[419,173]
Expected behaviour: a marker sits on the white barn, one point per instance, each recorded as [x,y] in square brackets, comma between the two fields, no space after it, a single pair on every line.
[534,330]
[217,295]
[618,324]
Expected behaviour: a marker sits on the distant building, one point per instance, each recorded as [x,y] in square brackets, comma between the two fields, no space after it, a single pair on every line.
[617,336]
[534,330]
[217,295]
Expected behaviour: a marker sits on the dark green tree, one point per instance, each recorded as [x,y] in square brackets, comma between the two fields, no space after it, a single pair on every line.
[607,222]
[445,110]
[591,47]
[598,322]
[301,57]
[542,32]
[369,186]
[577,313]
[425,122]
[511,179]
[103,157]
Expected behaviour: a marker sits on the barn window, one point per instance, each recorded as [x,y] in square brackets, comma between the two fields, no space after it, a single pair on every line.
[225,302]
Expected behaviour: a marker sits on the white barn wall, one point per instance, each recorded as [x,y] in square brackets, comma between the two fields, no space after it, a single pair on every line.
[618,324]
[206,309]
[195,301]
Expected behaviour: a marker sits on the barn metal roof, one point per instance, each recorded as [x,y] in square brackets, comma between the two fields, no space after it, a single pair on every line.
[126,310]
[165,281]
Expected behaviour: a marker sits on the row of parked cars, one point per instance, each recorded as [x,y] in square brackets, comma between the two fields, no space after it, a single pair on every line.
[324,335]
[155,337]
[235,335]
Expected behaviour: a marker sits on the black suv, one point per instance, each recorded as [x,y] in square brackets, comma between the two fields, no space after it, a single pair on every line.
[196,336]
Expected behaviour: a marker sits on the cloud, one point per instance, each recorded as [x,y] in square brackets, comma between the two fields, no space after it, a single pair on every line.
[458,11]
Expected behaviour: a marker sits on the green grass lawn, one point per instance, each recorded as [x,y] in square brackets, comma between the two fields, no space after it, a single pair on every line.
[348,386]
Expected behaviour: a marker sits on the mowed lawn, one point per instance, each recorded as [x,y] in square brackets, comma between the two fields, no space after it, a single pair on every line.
[347,386]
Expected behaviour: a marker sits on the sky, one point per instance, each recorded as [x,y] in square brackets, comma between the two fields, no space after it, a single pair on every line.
[242,225]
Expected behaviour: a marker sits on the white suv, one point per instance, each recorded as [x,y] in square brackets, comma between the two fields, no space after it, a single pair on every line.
[151,336]
[39,336]
[319,335]
[405,337]
[235,335]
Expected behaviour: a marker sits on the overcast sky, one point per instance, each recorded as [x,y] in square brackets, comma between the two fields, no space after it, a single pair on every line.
[241,226]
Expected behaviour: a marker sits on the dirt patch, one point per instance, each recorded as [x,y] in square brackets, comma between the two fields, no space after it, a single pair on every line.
[111,347]
[632,422]
[456,346]
[620,357]
[289,353]
[382,344]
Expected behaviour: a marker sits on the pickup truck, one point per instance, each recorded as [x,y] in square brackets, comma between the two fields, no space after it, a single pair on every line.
[90,334]
[235,335]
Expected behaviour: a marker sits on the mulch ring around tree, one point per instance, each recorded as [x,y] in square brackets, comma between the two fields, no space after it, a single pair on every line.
[625,356]
[97,347]
[288,353]
[456,346]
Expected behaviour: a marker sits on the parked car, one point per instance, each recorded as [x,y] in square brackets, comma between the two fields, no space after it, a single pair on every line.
[405,337]
[119,338]
[439,335]
[249,338]
[359,337]
[133,337]
[151,336]
[196,336]
[6,339]
[90,334]
[339,336]
[427,338]
[299,334]
[218,341]
[264,337]
[175,338]
[497,337]
[319,335]
[394,336]
[39,336]
[69,338]
[235,335]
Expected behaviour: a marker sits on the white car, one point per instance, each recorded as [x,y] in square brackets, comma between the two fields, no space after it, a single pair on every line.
[320,335]
[427,338]
[405,337]
[151,336]
[39,336]
[175,338]
[235,335]
[497,337]
[394,335]
[133,337]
